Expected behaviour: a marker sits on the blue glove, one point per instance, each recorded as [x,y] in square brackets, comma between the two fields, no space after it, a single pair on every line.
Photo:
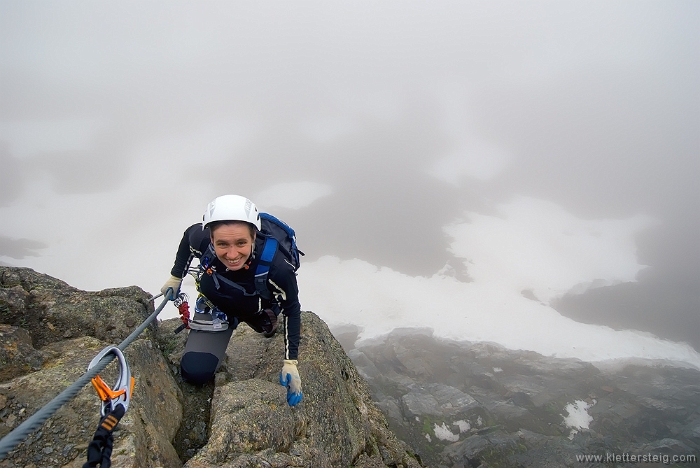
[171,288]
[289,377]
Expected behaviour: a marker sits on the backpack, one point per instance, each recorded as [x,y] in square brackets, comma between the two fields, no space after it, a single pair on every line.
[276,233]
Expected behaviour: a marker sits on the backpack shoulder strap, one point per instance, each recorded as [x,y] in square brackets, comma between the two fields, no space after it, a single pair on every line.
[268,254]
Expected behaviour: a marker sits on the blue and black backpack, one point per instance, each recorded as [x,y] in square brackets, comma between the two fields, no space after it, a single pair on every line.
[276,233]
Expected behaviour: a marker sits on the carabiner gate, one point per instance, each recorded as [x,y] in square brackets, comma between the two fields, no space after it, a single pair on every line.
[121,393]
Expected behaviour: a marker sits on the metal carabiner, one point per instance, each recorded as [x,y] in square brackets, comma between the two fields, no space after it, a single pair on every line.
[121,393]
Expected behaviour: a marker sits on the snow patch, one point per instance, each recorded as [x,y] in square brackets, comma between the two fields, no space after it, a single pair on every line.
[444,433]
[577,416]
[464,426]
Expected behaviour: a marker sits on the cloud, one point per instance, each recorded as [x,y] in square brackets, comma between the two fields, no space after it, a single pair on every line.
[293,195]
[29,137]
[378,300]
[20,248]
[472,154]
[11,176]
[535,245]
[76,154]
[474,159]
[529,244]
[429,113]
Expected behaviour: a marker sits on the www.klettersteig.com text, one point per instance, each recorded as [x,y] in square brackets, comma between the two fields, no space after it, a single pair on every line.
[633,458]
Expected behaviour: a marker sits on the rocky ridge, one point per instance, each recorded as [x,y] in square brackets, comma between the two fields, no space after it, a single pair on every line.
[49,332]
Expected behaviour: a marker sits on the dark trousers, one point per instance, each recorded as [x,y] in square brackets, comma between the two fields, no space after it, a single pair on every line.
[206,350]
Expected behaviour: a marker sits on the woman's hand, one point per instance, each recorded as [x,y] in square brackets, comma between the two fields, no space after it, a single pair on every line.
[289,377]
[171,288]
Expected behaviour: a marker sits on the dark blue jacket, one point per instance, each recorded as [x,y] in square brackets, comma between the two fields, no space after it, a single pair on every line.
[281,282]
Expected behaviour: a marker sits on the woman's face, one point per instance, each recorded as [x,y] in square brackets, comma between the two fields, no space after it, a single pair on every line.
[233,244]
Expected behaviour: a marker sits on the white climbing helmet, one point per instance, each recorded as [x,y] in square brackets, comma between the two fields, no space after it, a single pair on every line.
[231,208]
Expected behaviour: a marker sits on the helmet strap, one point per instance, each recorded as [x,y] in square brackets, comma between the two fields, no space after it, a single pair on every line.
[251,256]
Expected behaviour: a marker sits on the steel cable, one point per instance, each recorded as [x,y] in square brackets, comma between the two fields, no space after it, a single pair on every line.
[32,423]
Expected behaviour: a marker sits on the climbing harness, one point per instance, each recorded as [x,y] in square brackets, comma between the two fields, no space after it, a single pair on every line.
[121,393]
[115,403]
[31,424]
[212,322]
[206,317]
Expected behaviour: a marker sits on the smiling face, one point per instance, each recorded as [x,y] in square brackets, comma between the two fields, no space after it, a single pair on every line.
[233,244]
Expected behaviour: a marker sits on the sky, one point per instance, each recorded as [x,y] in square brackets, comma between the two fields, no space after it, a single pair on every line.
[516,172]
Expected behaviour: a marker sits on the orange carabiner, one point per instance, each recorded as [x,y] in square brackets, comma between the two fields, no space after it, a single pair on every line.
[121,393]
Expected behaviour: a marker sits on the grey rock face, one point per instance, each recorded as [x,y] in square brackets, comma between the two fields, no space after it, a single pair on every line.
[17,355]
[335,425]
[53,311]
[48,309]
[467,405]
[437,400]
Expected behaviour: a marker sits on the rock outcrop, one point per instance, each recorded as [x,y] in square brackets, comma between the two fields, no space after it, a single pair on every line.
[50,332]
[463,404]
[250,424]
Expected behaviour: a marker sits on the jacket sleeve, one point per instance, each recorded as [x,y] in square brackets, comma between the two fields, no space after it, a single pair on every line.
[282,283]
[190,247]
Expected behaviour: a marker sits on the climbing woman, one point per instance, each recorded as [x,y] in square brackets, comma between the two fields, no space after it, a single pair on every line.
[246,275]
